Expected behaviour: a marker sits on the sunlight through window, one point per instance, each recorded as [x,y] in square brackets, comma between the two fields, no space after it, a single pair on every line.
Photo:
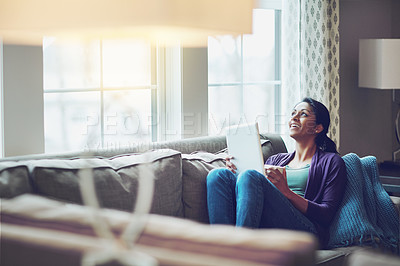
[97,94]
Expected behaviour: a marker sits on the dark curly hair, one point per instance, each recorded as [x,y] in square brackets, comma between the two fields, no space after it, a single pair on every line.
[322,118]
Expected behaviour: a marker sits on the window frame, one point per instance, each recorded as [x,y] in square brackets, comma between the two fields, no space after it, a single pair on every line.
[156,87]
[277,82]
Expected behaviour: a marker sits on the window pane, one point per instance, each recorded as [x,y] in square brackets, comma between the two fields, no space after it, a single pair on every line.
[127,118]
[71,64]
[259,106]
[224,59]
[126,63]
[252,66]
[259,48]
[72,121]
[225,107]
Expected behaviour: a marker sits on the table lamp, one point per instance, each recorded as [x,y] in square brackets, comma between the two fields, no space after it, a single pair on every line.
[189,21]
[379,68]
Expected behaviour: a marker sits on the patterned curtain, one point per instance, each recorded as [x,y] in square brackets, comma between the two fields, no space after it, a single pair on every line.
[310,55]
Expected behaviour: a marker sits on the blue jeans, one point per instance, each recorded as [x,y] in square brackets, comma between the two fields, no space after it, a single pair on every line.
[251,200]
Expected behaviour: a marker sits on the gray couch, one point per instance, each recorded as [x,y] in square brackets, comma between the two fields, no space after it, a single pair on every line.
[179,168]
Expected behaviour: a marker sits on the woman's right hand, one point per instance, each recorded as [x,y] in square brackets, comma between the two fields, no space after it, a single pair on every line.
[230,165]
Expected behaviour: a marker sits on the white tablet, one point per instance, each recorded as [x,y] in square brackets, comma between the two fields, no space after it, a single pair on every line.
[244,145]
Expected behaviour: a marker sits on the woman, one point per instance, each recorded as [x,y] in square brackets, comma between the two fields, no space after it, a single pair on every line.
[304,196]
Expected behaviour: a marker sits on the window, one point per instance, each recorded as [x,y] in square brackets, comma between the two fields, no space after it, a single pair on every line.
[244,75]
[99,94]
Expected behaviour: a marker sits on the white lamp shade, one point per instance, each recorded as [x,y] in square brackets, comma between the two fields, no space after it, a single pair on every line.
[379,63]
[27,21]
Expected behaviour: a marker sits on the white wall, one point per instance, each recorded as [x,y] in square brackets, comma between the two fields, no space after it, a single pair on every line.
[23,100]
[194,92]
[365,114]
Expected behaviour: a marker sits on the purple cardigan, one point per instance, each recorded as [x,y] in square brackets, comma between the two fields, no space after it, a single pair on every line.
[325,187]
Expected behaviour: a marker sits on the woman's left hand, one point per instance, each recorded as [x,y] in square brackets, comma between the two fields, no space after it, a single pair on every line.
[277,176]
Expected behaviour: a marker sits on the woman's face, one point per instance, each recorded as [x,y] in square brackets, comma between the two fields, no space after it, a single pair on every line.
[302,122]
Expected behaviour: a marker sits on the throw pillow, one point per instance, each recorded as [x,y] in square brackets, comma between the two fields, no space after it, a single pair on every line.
[195,168]
[116,180]
[14,179]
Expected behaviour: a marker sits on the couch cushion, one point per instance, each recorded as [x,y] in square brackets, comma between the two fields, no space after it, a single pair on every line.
[46,225]
[336,256]
[195,168]
[330,258]
[116,179]
[268,149]
[372,258]
[14,179]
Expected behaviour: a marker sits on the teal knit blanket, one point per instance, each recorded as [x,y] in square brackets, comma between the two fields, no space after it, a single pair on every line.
[367,216]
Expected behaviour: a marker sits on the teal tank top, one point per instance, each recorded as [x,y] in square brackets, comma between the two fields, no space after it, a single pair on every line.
[297,179]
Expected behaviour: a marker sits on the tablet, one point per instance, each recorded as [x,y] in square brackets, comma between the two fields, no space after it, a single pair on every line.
[243,142]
